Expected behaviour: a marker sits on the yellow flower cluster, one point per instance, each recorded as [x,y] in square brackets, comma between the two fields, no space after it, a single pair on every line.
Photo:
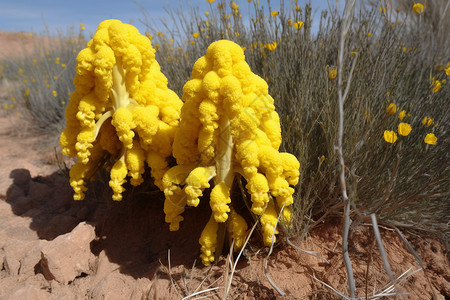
[404,129]
[121,109]
[228,126]
[123,116]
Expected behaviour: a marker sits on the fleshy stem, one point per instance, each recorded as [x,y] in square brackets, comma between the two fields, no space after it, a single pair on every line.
[120,96]
[224,171]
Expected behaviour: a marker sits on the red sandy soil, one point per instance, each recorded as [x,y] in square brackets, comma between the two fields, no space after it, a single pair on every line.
[128,257]
[20,44]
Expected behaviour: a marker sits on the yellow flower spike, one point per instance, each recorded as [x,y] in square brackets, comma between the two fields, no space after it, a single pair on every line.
[390,136]
[401,115]
[258,187]
[237,227]
[391,109]
[121,106]
[196,182]
[176,198]
[332,73]
[135,159]
[404,129]
[228,125]
[418,8]
[291,167]
[430,139]
[208,241]
[268,222]
[118,173]
[220,198]
[159,166]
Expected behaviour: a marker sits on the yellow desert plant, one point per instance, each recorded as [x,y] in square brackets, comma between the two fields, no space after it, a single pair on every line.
[122,114]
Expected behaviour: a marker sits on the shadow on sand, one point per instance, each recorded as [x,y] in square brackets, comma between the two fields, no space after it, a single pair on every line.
[132,232]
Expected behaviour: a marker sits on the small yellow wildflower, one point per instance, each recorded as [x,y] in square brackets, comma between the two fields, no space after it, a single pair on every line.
[390,136]
[298,8]
[447,69]
[382,9]
[404,129]
[436,85]
[195,35]
[271,47]
[332,73]
[210,1]
[234,6]
[291,23]
[401,115]
[207,14]
[63,65]
[82,26]
[298,25]
[63,102]
[430,139]
[54,93]
[369,34]
[417,8]
[322,158]
[192,42]
[391,109]
[430,122]
[424,121]
[274,13]
[55,77]
[31,34]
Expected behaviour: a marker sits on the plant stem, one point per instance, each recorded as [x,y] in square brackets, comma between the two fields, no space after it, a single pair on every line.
[347,221]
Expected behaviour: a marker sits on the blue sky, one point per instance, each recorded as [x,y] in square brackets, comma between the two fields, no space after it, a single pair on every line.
[32,15]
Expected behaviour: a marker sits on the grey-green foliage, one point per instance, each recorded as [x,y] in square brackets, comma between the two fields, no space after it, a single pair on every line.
[406,183]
